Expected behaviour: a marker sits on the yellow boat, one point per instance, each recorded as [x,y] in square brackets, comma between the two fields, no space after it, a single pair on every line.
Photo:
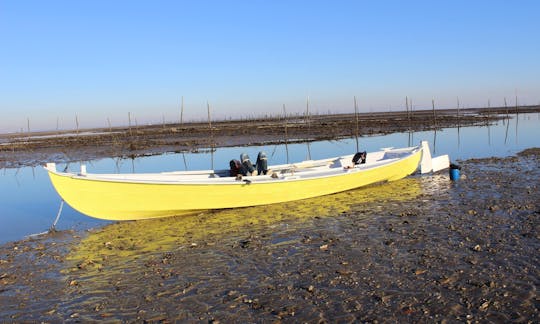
[142,196]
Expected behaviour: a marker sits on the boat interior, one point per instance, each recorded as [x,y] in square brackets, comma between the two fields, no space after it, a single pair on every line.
[284,172]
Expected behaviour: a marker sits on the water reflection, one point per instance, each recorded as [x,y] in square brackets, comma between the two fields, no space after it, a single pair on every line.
[118,244]
[29,203]
[499,142]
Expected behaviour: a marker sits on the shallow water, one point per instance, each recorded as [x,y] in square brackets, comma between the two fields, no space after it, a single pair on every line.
[29,204]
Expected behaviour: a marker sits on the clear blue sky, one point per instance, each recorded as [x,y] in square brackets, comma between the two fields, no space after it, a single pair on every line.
[102,59]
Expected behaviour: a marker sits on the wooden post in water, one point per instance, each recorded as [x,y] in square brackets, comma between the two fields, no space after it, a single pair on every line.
[458,123]
[517,117]
[408,106]
[507,121]
[77,123]
[182,112]
[129,123]
[411,128]
[434,116]
[309,128]
[211,135]
[408,121]
[506,106]
[457,109]
[356,116]
[434,127]
[286,135]
[209,119]
[487,121]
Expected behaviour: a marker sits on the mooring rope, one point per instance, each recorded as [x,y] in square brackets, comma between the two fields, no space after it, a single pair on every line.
[53,227]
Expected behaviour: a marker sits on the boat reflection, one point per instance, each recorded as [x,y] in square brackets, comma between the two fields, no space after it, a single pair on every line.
[123,242]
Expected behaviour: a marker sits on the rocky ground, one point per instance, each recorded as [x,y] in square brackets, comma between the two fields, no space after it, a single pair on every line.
[422,249]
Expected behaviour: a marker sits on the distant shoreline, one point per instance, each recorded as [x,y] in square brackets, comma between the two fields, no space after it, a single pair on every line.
[34,148]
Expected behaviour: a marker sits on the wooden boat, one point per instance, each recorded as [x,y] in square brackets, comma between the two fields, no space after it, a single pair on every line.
[141,196]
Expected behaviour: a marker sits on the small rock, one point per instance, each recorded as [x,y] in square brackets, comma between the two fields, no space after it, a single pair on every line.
[494,208]
[484,306]
[420,271]
[407,310]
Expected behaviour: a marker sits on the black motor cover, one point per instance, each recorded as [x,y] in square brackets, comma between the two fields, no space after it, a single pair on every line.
[359,158]
[246,163]
[262,163]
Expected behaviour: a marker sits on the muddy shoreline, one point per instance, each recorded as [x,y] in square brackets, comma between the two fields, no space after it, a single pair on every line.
[421,249]
[18,150]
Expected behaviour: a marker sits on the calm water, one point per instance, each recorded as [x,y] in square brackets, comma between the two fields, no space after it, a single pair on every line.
[29,203]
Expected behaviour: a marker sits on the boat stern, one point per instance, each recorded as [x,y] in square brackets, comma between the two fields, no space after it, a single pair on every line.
[432,164]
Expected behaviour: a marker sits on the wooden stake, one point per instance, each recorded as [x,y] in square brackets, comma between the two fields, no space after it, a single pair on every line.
[129,123]
[434,117]
[182,112]
[356,116]
[434,127]
[309,128]
[458,123]
[411,133]
[209,119]
[407,106]
[487,121]
[286,135]
[211,135]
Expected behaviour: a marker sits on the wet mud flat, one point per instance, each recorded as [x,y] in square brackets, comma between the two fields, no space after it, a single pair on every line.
[421,249]
[29,149]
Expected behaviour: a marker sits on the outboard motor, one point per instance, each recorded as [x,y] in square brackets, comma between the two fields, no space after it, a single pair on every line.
[236,168]
[262,163]
[246,163]
[359,158]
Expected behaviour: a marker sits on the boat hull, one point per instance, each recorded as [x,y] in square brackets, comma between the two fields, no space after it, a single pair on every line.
[123,200]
